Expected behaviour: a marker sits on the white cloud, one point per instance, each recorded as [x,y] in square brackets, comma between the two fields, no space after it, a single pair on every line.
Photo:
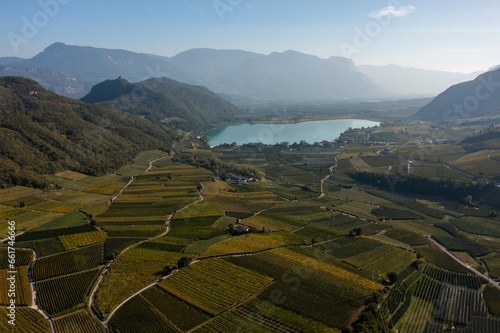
[392,11]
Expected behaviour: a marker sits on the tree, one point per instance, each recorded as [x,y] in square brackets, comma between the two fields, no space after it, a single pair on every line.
[393,277]
[183,262]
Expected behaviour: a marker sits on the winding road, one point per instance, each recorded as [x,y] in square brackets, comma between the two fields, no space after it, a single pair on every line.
[325,179]
[34,303]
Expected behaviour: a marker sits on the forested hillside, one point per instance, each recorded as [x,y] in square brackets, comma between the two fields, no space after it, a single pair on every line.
[179,105]
[42,132]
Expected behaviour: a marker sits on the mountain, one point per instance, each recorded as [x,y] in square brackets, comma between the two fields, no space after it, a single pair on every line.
[413,82]
[42,132]
[479,97]
[10,60]
[207,65]
[240,75]
[56,81]
[93,65]
[237,75]
[180,105]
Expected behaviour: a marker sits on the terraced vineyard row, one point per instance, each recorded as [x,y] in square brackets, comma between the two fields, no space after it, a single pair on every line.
[68,262]
[133,270]
[461,279]
[213,285]
[77,322]
[242,244]
[492,299]
[23,258]
[137,315]
[232,322]
[63,293]
[323,271]
[73,241]
[22,290]
[180,313]
[427,288]
[265,321]
[27,321]
[419,314]
[458,304]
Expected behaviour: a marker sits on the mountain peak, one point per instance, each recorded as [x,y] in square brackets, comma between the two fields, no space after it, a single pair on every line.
[55,47]
[108,90]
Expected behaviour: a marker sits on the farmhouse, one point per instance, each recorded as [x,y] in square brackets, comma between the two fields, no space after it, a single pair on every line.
[241,228]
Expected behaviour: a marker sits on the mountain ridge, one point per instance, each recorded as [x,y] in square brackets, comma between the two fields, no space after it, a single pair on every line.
[478,97]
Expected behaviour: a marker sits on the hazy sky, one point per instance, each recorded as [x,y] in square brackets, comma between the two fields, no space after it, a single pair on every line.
[452,35]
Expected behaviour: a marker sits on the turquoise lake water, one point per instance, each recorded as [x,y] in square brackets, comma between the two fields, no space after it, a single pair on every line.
[310,131]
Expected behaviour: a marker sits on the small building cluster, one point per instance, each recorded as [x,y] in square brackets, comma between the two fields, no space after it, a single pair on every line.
[240,180]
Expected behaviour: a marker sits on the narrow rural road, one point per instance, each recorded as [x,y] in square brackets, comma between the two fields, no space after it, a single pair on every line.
[34,303]
[457,259]
[449,167]
[325,179]
[106,322]
[108,265]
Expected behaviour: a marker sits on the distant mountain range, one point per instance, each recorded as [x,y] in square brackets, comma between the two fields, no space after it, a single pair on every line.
[239,76]
[42,132]
[179,105]
[413,82]
[479,97]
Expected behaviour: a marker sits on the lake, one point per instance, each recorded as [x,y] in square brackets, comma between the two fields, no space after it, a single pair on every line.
[310,131]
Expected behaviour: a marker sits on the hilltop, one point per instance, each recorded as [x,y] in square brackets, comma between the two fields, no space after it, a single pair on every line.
[180,105]
[42,132]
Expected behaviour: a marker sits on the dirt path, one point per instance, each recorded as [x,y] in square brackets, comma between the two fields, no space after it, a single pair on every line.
[457,259]
[325,179]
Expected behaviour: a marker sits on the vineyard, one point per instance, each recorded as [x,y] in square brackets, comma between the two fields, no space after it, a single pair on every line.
[492,299]
[306,269]
[309,267]
[461,279]
[428,302]
[77,322]
[406,236]
[214,284]
[63,293]
[458,304]
[27,321]
[73,241]
[440,259]
[280,318]
[242,244]
[68,262]
[137,315]
[133,270]
[233,322]
[23,258]
[182,314]
[350,246]
[23,288]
